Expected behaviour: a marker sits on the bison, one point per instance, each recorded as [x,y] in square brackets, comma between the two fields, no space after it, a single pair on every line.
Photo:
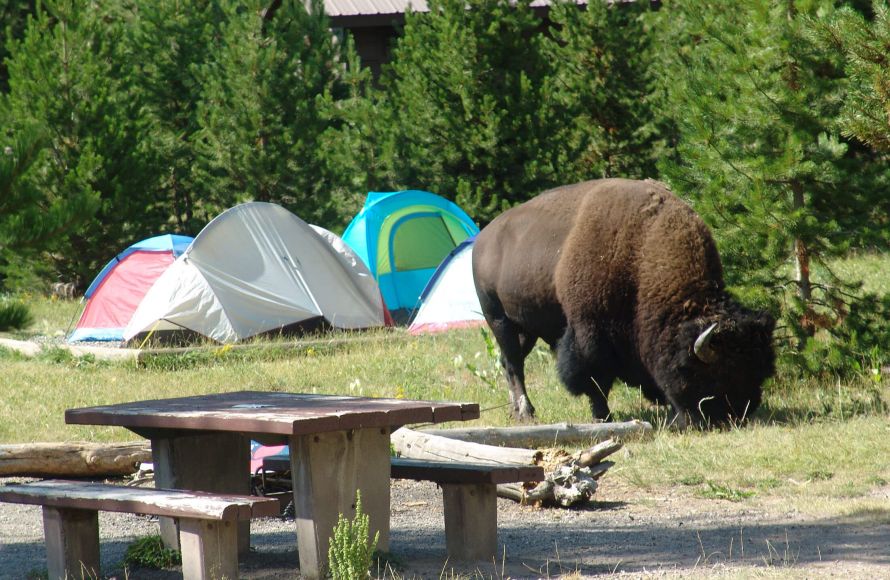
[622,280]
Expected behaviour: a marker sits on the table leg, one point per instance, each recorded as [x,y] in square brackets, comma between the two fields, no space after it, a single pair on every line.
[213,462]
[327,470]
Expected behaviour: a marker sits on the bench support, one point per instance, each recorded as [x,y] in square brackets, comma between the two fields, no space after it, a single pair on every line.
[471,528]
[216,463]
[72,542]
[209,549]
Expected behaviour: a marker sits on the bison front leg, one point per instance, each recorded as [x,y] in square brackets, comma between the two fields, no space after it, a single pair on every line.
[584,373]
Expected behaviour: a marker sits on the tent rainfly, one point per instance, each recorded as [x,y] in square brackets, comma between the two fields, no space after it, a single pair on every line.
[118,289]
[402,237]
[258,268]
[450,300]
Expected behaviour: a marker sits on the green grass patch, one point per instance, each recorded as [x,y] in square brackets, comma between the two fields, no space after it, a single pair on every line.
[872,269]
[712,490]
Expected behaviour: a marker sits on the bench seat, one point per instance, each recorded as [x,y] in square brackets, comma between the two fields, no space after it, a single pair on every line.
[452,472]
[208,530]
[469,493]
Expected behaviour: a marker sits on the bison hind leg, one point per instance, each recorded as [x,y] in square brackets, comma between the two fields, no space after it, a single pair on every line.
[515,345]
[584,374]
[514,368]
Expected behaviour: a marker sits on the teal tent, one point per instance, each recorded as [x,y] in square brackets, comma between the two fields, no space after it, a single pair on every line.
[403,236]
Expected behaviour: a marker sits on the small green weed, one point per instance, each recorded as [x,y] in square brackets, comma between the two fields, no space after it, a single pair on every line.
[61,356]
[720,491]
[351,553]
[820,475]
[179,362]
[487,367]
[150,552]
[7,354]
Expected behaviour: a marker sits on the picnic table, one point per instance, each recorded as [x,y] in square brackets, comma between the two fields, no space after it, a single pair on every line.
[337,444]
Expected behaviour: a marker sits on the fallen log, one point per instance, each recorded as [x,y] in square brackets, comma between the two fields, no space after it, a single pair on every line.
[570,478]
[72,459]
[597,453]
[538,495]
[546,435]
[425,445]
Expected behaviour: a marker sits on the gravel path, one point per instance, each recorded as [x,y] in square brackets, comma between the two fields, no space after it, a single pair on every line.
[626,533]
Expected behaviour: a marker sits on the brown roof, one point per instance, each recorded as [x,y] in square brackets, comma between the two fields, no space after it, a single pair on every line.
[372,12]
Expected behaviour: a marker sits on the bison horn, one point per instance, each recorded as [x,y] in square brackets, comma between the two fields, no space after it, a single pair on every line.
[702,347]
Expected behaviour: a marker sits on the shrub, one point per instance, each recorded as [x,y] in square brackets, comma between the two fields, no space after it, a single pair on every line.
[14,315]
[351,553]
[150,552]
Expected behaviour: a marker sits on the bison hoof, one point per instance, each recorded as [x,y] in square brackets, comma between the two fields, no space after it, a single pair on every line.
[524,411]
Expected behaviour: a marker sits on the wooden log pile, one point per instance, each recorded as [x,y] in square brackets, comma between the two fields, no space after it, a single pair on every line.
[570,479]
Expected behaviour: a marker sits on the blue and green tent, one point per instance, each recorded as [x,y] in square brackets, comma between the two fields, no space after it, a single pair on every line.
[403,236]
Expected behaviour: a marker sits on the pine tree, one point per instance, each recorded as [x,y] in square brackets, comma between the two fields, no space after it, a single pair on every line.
[757,105]
[13,19]
[166,44]
[865,44]
[261,116]
[358,146]
[467,97]
[601,91]
[66,82]
[31,218]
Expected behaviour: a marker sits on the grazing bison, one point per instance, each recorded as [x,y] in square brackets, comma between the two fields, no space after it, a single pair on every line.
[623,280]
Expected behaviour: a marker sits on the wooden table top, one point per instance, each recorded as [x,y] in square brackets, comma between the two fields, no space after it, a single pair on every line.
[271,412]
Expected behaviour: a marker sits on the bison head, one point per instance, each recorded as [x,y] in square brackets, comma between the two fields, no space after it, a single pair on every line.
[719,364]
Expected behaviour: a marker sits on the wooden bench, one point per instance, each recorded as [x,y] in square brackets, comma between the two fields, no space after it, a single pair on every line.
[469,492]
[208,523]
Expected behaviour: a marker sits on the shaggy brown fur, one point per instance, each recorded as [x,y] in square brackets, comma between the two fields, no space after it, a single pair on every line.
[620,277]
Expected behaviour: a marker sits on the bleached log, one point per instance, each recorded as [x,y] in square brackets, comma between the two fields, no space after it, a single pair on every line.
[598,452]
[546,435]
[424,445]
[72,459]
[597,471]
[541,493]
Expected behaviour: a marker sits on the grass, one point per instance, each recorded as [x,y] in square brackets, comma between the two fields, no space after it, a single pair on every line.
[809,440]
[868,268]
[811,444]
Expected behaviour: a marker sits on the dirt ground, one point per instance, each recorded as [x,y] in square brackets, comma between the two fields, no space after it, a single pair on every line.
[660,533]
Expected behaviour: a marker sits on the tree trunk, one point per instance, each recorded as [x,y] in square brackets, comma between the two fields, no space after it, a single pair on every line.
[72,459]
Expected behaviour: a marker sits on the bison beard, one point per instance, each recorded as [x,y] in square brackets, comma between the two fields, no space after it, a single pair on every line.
[623,281]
